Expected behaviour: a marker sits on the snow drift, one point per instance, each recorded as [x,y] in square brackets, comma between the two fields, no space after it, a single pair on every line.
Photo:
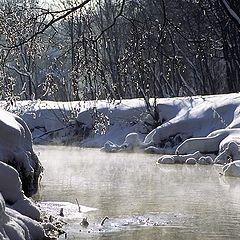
[19,173]
[205,124]
[15,226]
[200,123]
[16,150]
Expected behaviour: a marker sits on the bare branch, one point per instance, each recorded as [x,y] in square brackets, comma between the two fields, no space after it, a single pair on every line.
[113,23]
[52,21]
[230,12]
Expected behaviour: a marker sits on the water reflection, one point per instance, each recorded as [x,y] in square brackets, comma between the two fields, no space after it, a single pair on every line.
[124,186]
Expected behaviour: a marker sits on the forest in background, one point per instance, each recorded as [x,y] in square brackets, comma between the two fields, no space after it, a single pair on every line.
[118,49]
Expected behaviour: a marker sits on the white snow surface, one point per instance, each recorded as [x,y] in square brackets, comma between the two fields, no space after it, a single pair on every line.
[199,123]
[194,130]
[17,220]
[232,169]
[16,150]
[207,123]
[15,226]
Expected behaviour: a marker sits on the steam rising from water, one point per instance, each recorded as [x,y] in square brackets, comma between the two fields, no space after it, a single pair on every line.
[128,186]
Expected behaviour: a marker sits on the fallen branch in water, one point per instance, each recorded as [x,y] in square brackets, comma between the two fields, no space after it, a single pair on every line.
[53,131]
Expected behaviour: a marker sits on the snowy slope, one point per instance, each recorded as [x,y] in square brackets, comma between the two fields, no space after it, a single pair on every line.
[194,130]
[199,123]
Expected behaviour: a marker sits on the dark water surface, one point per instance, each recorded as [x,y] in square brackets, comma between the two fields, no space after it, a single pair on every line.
[142,200]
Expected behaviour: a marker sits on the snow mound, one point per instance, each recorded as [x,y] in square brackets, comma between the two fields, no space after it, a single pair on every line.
[16,150]
[15,226]
[229,154]
[132,142]
[112,122]
[232,169]
[200,119]
[11,189]
[191,158]
[188,124]
[19,173]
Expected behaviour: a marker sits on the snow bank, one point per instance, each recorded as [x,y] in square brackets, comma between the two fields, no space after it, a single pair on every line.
[208,124]
[113,122]
[205,115]
[191,158]
[89,124]
[199,123]
[15,226]
[11,189]
[19,173]
[232,169]
[16,150]
[45,119]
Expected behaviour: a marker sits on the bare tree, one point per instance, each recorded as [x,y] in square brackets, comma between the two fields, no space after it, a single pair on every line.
[120,49]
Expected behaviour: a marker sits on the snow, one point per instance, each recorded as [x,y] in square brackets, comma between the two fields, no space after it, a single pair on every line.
[11,189]
[194,130]
[191,158]
[205,124]
[15,226]
[189,124]
[230,153]
[16,149]
[19,173]
[232,169]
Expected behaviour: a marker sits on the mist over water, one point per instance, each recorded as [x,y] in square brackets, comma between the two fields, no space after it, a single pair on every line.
[195,202]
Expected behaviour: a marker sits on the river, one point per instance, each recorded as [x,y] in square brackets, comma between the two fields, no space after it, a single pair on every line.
[143,200]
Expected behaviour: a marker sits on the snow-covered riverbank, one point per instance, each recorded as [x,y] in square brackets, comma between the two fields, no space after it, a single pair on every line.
[20,170]
[200,129]
[210,122]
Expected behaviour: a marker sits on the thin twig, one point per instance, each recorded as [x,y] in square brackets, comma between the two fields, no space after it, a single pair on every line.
[51,22]
[112,24]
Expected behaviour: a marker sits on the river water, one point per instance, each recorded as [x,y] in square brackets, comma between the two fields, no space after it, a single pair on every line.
[143,200]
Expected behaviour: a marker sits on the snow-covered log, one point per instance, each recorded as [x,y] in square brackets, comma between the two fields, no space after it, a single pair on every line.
[204,145]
